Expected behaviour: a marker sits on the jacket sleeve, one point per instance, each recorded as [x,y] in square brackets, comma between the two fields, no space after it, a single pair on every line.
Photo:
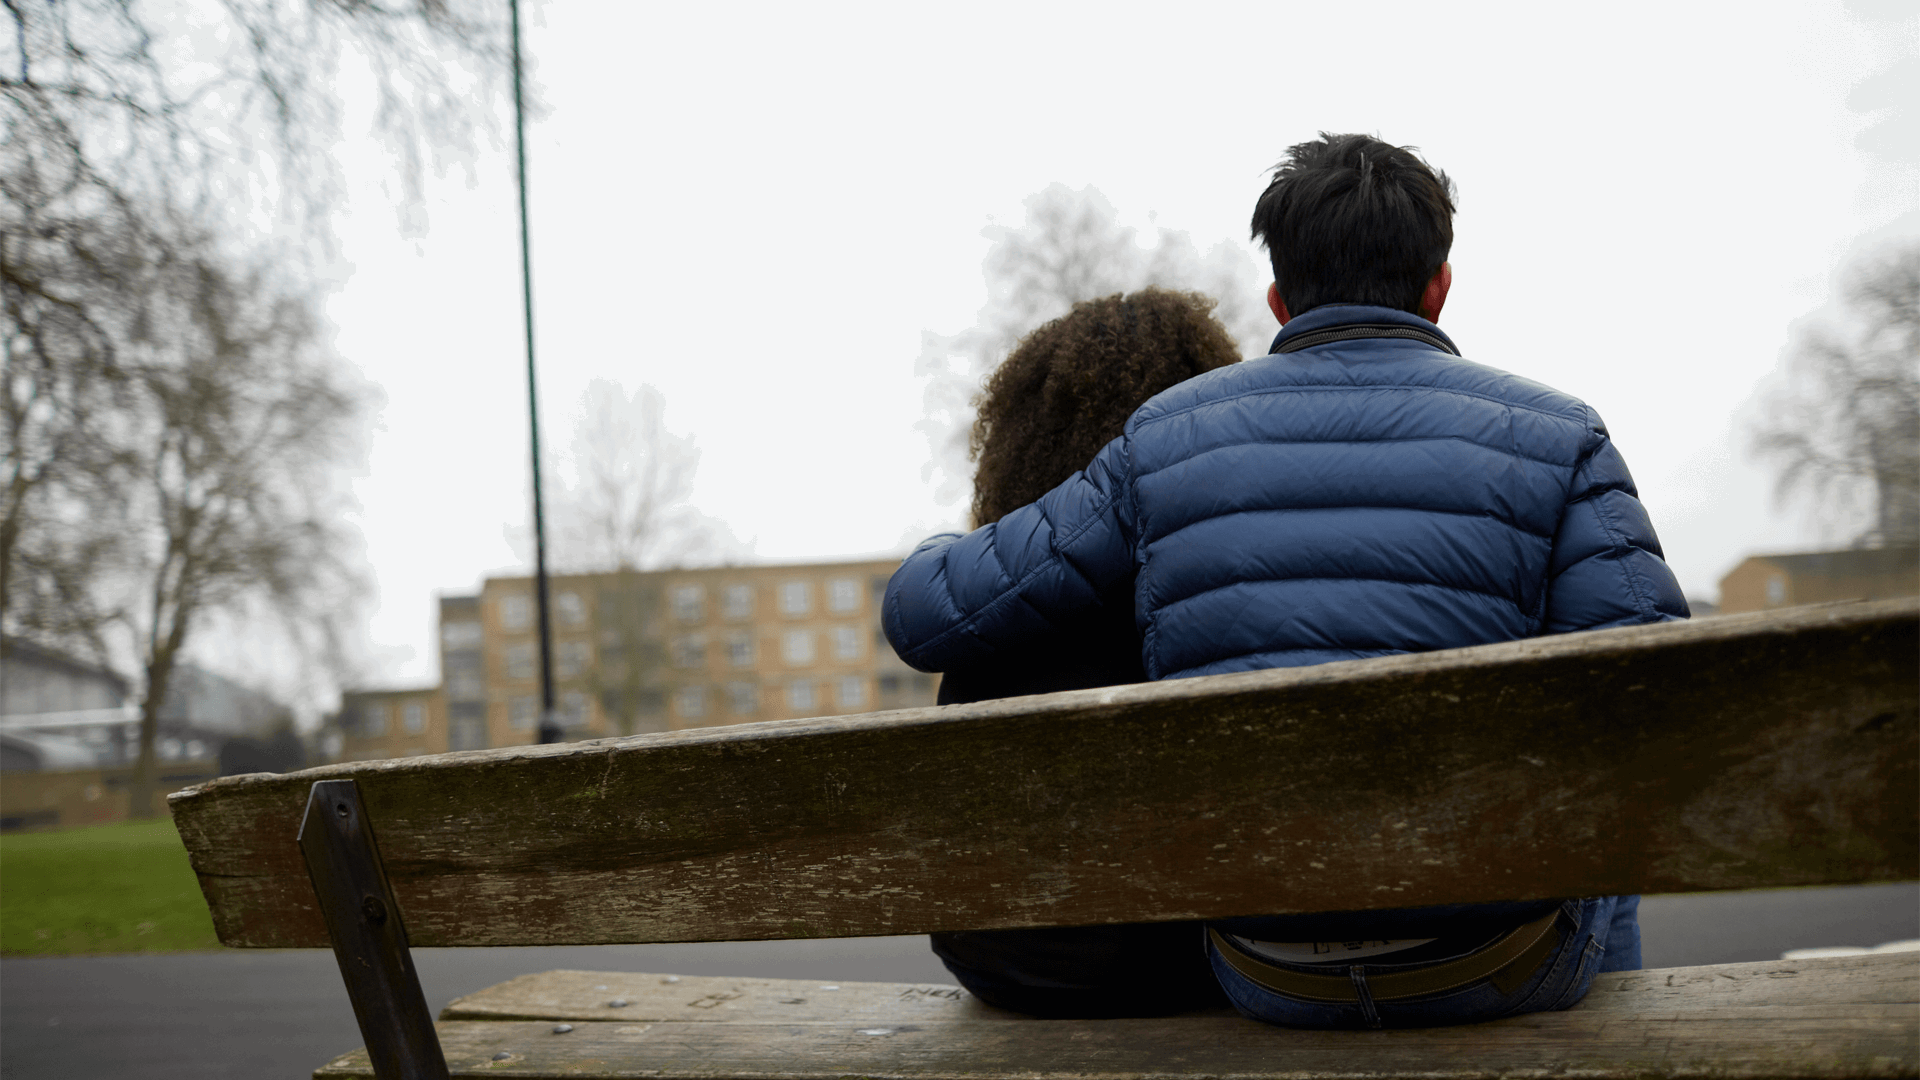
[1607,568]
[958,600]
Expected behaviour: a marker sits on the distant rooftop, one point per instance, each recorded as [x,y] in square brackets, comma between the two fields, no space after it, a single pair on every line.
[1856,562]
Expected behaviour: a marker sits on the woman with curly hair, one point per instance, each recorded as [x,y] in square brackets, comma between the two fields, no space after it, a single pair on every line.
[1066,391]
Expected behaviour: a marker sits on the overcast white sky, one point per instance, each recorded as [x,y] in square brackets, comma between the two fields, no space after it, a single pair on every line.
[758,208]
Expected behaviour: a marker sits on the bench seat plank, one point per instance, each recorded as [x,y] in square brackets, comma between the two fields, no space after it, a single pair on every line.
[1748,751]
[587,996]
[1884,979]
[1782,1041]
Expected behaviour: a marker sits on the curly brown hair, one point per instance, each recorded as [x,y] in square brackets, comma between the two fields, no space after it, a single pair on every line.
[1067,389]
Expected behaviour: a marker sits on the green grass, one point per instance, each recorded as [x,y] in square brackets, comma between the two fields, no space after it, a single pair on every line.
[104,889]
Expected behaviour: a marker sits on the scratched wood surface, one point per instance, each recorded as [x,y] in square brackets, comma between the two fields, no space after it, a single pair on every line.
[629,997]
[589,996]
[1856,1017]
[1746,751]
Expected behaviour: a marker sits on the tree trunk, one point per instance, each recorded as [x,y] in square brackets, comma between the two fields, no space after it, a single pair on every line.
[146,768]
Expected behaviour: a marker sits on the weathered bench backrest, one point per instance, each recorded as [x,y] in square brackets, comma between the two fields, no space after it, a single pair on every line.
[1746,751]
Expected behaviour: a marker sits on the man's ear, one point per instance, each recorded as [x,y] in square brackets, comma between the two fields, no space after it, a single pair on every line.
[1434,297]
[1277,305]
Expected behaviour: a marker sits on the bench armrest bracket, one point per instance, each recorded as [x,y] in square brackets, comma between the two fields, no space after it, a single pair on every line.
[369,940]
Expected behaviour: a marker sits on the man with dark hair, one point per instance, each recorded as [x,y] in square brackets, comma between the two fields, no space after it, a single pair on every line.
[1361,491]
[1349,219]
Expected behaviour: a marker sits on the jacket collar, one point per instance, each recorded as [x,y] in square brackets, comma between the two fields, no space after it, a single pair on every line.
[1349,321]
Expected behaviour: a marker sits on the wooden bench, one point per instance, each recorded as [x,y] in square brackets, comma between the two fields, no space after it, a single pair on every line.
[1752,751]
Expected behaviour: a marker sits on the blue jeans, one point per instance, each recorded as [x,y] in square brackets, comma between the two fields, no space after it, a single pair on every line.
[1594,935]
[1160,968]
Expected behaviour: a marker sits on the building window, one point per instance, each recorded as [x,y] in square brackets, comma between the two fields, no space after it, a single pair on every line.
[516,612]
[846,642]
[571,710]
[575,658]
[689,603]
[800,695]
[691,702]
[740,649]
[737,602]
[843,594]
[1777,589]
[413,716]
[889,684]
[459,635]
[744,698]
[797,646]
[523,713]
[373,720]
[520,661]
[465,684]
[689,650]
[569,609]
[796,598]
[851,691]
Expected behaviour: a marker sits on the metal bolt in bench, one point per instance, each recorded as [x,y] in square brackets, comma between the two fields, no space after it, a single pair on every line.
[1743,752]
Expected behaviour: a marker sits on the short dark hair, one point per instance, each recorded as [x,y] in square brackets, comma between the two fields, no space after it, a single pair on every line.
[1068,388]
[1351,219]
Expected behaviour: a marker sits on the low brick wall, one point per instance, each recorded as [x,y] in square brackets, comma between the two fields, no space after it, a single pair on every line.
[32,801]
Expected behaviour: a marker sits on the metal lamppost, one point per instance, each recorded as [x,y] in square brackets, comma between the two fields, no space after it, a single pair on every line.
[549,724]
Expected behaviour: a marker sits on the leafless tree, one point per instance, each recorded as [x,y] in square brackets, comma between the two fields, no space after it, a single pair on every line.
[65,394]
[1071,247]
[627,509]
[229,113]
[1847,430]
[122,120]
[147,149]
[239,417]
[620,498]
[629,506]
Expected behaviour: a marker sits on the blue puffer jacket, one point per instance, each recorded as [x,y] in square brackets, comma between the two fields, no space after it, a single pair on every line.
[1363,495]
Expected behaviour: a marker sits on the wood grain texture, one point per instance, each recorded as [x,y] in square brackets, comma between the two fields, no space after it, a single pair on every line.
[1740,752]
[1869,979]
[585,996]
[698,999]
[1783,1042]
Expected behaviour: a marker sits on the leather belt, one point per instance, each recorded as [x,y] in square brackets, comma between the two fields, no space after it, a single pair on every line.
[1508,962]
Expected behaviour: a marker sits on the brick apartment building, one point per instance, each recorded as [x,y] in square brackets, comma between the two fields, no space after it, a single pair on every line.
[647,651]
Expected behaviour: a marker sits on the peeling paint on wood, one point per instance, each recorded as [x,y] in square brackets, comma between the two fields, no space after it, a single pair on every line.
[1747,751]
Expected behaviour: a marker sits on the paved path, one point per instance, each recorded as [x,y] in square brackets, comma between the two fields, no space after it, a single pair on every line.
[277,1015]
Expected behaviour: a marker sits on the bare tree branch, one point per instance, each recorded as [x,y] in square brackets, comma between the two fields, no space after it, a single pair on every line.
[1847,429]
[1070,248]
[241,416]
